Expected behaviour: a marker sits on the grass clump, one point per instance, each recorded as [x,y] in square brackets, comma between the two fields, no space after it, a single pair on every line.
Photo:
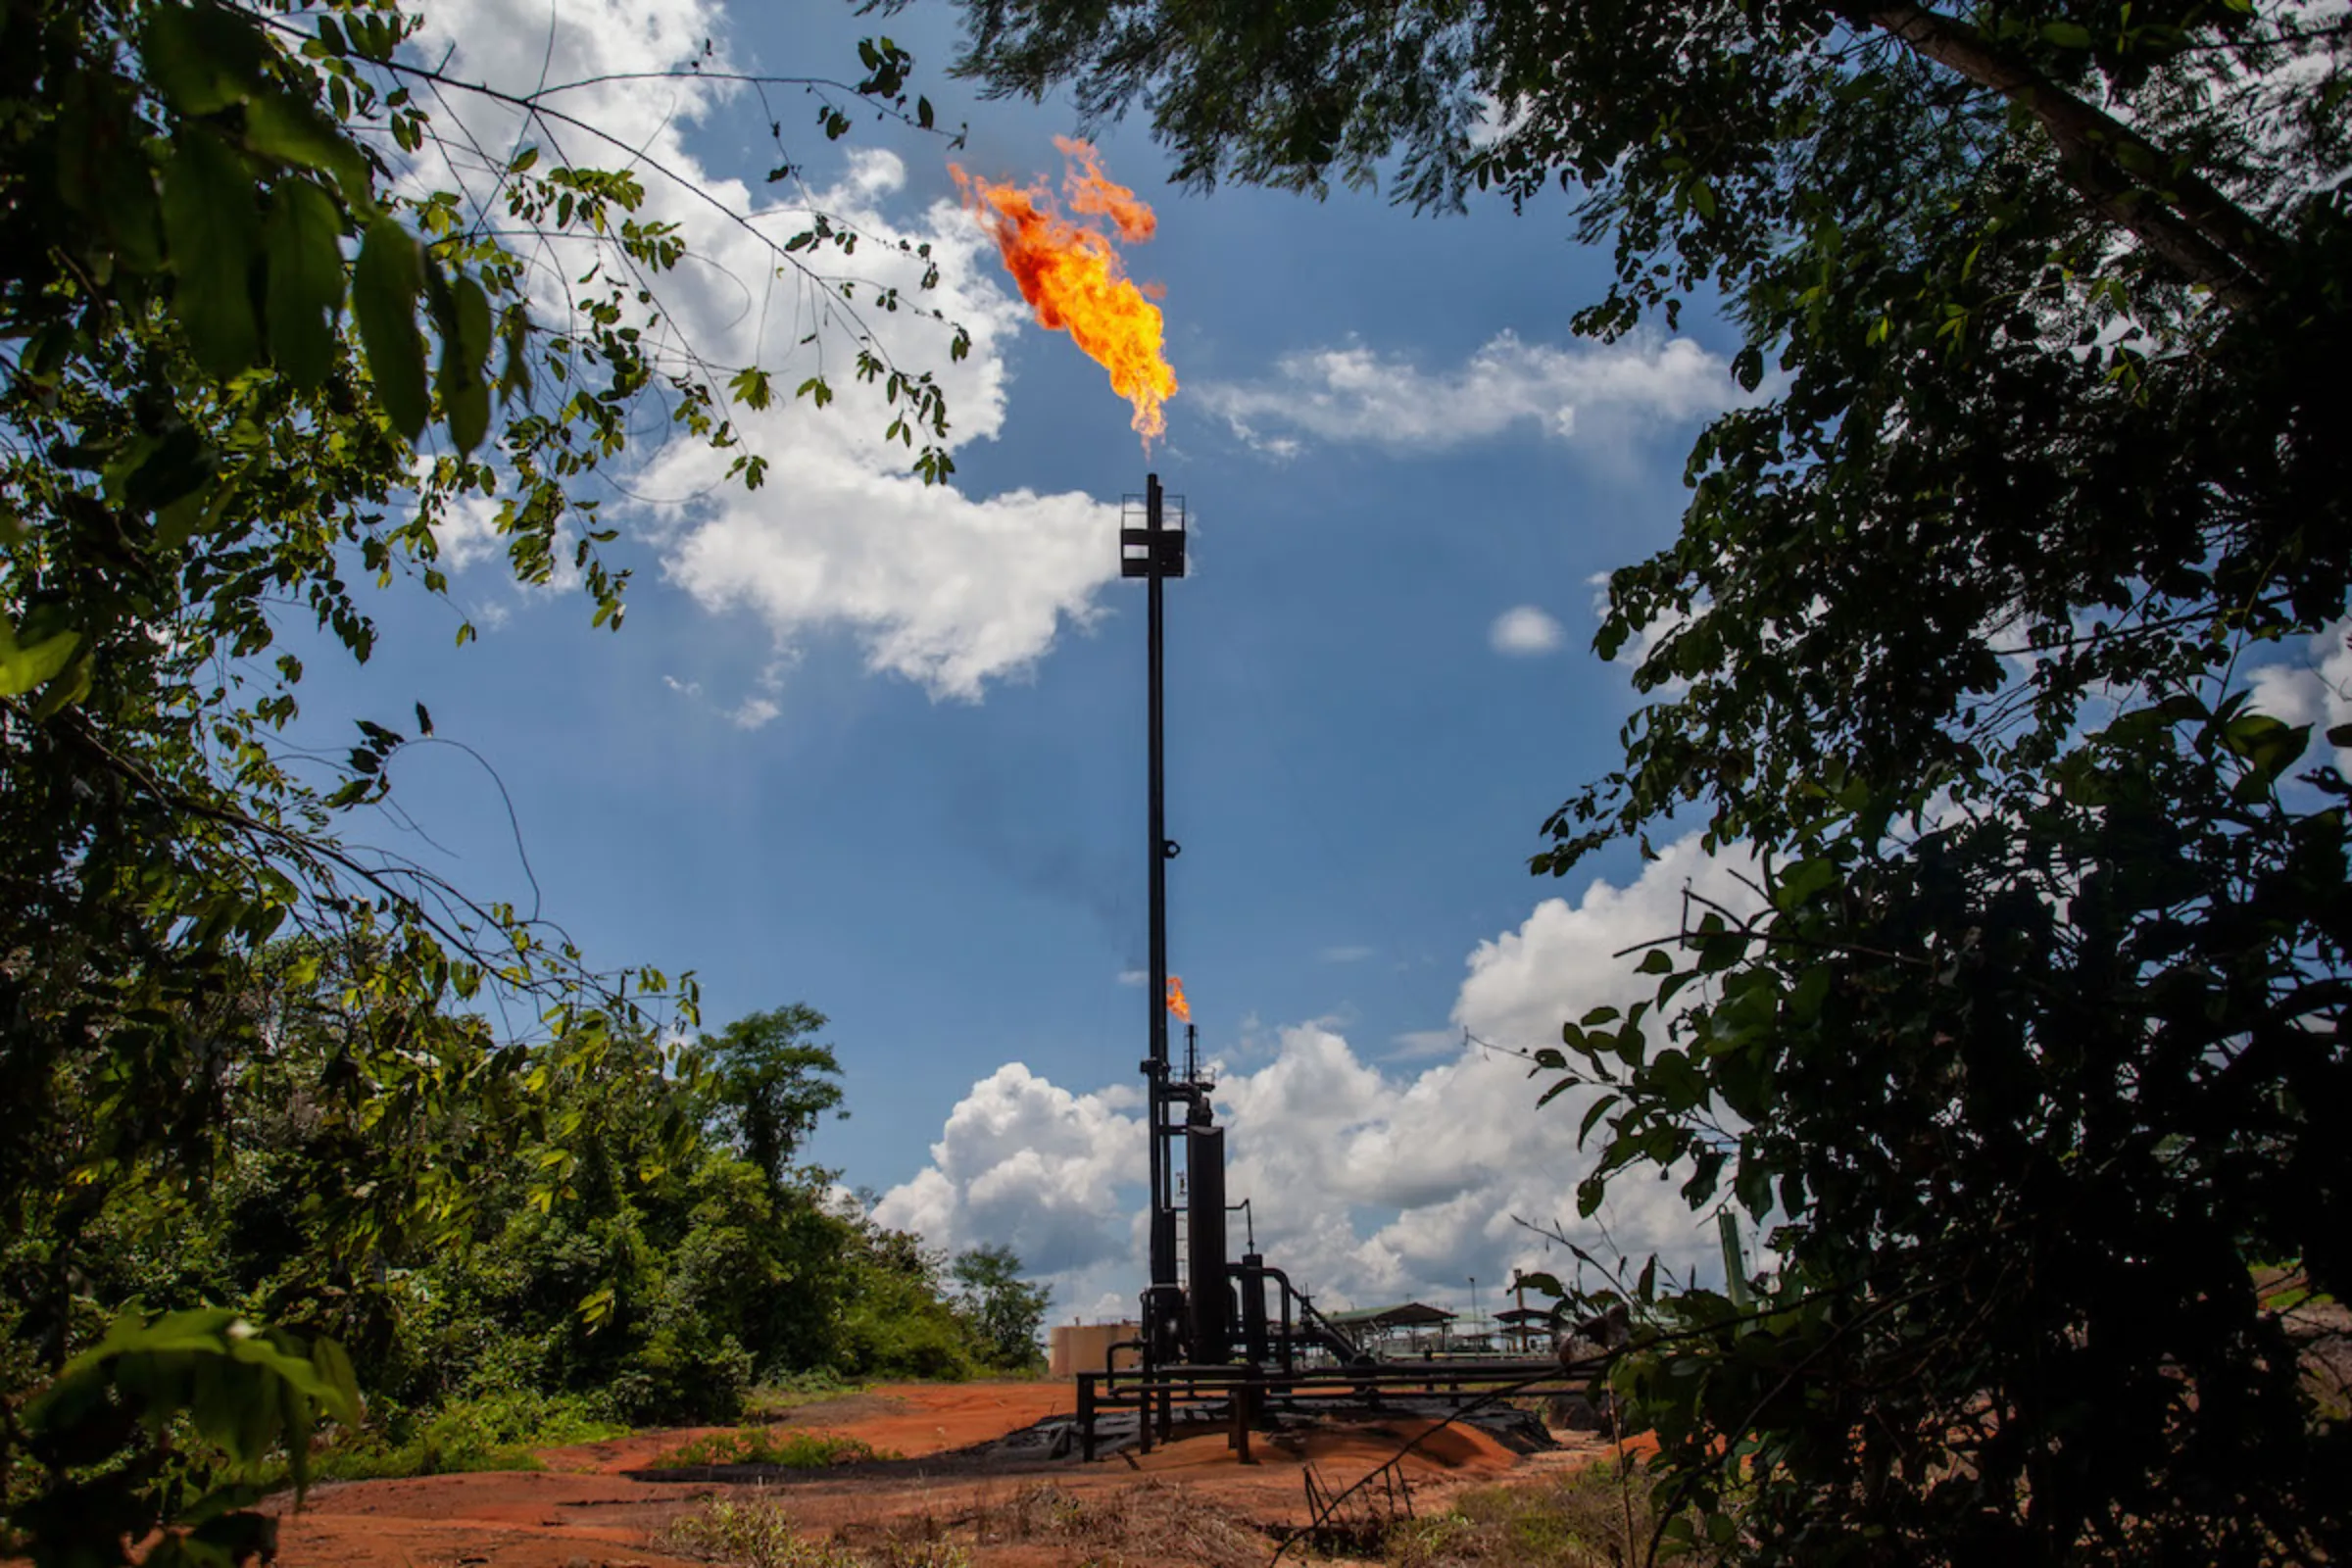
[756,1533]
[1579,1521]
[1153,1521]
[786,1449]
[795,1389]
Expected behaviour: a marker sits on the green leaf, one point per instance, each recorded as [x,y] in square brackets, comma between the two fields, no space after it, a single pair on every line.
[209,225]
[464,316]
[104,173]
[1811,991]
[1734,1263]
[2269,745]
[386,282]
[337,1378]
[1799,883]
[71,685]
[199,511]
[23,667]
[1719,953]
[750,386]
[515,374]
[178,464]
[281,128]
[1677,1083]
[2065,35]
[303,237]
[203,57]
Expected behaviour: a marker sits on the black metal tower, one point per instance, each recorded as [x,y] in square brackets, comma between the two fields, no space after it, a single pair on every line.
[1154,552]
[1226,1330]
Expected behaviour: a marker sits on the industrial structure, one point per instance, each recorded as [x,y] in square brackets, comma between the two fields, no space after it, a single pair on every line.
[1216,1331]
[1214,1308]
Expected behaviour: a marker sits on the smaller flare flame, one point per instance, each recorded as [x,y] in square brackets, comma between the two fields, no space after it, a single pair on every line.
[1071,276]
[1181,1009]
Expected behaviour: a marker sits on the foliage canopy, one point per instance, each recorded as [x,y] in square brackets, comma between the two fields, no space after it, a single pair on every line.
[253,353]
[1008,1310]
[2030,1043]
[773,1084]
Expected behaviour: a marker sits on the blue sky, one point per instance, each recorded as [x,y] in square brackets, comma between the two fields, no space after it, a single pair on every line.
[882,751]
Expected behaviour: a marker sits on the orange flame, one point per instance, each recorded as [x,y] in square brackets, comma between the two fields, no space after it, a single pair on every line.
[1176,1003]
[1070,273]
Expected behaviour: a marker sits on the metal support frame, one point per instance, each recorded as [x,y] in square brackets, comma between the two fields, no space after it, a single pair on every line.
[1239,1397]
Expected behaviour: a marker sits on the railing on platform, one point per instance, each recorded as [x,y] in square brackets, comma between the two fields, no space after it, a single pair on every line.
[1246,1388]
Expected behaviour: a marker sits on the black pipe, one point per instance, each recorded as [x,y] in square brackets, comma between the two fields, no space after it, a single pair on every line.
[1330,1337]
[1209,1302]
[1251,1272]
[1163,1322]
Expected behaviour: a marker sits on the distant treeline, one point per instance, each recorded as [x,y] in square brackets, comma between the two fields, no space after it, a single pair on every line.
[638,1240]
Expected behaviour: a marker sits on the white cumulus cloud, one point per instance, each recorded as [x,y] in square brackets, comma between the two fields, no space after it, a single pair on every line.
[944,588]
[1369,1181]
[1025,1164]
[1595,395]
[1524,631]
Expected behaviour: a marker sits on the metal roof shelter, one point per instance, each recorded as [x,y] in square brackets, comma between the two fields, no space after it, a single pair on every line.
[1378,1322]
[1524,1326]
[1408,1315]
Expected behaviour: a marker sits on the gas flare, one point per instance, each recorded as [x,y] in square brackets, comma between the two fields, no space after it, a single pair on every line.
[1181,1009]
[1070,273]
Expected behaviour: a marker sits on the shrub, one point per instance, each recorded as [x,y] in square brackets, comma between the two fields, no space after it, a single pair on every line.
[758,1534]
[789,1449]
[752,1535]
[494,1431]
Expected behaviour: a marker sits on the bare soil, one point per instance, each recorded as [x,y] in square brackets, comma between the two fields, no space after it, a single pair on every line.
[603,1504]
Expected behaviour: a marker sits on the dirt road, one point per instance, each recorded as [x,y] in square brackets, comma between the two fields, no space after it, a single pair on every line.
[602,1504]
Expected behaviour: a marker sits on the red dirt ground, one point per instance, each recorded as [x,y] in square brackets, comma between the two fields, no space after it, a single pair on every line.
[599,1505]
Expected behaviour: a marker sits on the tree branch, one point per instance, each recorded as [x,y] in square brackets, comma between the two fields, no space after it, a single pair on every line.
[2200,232]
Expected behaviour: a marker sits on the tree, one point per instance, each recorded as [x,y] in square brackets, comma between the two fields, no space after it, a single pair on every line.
[197,436]
[899,1321]
[1005,1309]
[2031,1046]
[249,364]
[773,1084]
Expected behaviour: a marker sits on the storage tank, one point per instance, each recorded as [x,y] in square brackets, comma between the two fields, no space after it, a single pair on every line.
[1075,1347]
